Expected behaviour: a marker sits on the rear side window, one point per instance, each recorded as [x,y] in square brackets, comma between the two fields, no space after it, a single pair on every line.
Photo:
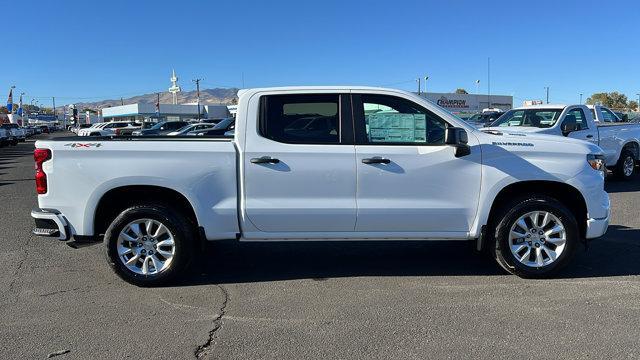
[301,119]
[608,116]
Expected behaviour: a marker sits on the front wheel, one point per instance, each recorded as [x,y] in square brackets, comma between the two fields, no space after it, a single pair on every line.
[150,244]
[535,237]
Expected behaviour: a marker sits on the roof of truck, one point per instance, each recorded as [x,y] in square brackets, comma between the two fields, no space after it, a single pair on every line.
[542,106]
[315,88]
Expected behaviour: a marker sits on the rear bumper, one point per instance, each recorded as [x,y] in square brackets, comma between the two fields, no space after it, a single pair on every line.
[50,223]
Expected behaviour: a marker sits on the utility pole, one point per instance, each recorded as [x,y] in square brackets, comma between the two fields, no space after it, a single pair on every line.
[547,89]
[425,85]
[419,86]
[638,107]
[580,98]
[477,87]
[53,100]
[121,101]
[197,81]
[489,82]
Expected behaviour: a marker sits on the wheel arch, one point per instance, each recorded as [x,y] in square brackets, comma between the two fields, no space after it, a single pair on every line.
[114,201]
[564,193]
[633,146]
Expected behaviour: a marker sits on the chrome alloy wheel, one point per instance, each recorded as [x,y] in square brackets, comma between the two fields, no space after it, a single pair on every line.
[146,246]
[537,238]
[628,165]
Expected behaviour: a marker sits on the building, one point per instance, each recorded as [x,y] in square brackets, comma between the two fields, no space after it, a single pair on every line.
[143,112]
[463,104]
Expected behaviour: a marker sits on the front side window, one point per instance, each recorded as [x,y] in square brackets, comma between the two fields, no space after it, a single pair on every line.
[301,119]
[578,115]
[540,118]
[393,120]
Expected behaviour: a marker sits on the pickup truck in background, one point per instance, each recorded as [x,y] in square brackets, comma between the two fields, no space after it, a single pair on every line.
[620,141]
[324,163]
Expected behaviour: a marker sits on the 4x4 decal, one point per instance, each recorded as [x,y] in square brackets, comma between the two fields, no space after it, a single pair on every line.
[83,145]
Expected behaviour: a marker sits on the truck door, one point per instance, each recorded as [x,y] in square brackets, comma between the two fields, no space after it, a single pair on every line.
[408,180]
[585,130]
[299,165]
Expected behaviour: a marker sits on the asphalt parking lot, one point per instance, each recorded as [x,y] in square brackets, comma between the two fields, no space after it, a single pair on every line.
[365,300]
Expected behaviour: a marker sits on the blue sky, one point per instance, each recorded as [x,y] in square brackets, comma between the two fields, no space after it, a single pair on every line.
[90,50]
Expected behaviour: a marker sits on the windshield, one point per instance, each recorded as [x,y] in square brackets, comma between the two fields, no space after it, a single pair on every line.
[223,124]
[158,125]
[540,118]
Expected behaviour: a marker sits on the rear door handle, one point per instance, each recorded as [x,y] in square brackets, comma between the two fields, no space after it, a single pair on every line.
[376,160]
[265,160]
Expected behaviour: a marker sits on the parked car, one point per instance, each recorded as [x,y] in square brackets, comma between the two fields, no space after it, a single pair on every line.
[220,128]
[109,129]
[187,129]
[620,141]
[76,129]
[412,171]
[161,128]
[4,137]
[484,119]
[16,134]
[44,129]
[94,127]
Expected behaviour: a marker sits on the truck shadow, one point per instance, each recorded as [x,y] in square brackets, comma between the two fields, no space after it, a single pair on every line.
[612,185]
[233,262]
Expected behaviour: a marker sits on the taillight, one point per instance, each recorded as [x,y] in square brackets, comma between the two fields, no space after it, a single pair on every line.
[40,156]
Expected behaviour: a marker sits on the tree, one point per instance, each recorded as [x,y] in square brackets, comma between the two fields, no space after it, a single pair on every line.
[4,110]
[91,111]
[633,105]
[614,100]
[461,91]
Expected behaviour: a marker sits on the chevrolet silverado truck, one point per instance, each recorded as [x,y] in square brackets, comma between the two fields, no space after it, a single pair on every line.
[619,141]
[324,163]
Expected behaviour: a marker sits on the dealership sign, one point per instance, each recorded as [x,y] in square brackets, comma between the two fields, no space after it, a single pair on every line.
[452,103]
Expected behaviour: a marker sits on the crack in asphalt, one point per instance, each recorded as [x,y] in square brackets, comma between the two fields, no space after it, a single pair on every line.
[203,349]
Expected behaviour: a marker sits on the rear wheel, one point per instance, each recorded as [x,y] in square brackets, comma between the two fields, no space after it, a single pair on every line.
[149,245]
[535,237]
[625,167]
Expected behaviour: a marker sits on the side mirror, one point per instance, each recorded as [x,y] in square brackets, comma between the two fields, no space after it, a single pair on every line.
[458,138]
[568,126]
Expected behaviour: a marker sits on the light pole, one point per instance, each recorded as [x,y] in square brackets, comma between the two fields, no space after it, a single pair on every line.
[477,87]
[580,98]
[425,84]
[419,87]
[547,89]
[638,107]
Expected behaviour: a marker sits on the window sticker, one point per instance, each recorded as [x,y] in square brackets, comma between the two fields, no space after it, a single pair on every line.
[395,127]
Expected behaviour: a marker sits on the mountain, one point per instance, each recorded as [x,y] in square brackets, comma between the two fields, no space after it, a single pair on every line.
[207,96]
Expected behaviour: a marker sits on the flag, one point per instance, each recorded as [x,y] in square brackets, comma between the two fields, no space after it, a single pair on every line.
[20,106]
[10,102]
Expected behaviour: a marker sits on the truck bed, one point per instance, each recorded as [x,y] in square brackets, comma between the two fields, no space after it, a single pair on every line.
[83,169]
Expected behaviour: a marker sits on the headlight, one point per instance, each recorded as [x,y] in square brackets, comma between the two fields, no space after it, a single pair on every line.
[596,162]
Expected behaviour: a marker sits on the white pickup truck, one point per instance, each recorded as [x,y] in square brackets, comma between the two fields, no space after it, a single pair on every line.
[324,163]
[620,141]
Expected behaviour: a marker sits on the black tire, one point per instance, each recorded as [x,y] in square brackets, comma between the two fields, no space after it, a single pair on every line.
[499,248]
[619,169]
[178,225]
[14,142]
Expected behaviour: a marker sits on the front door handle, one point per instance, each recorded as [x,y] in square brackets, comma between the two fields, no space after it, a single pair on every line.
[265,160]
[589,136]
[376,160]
